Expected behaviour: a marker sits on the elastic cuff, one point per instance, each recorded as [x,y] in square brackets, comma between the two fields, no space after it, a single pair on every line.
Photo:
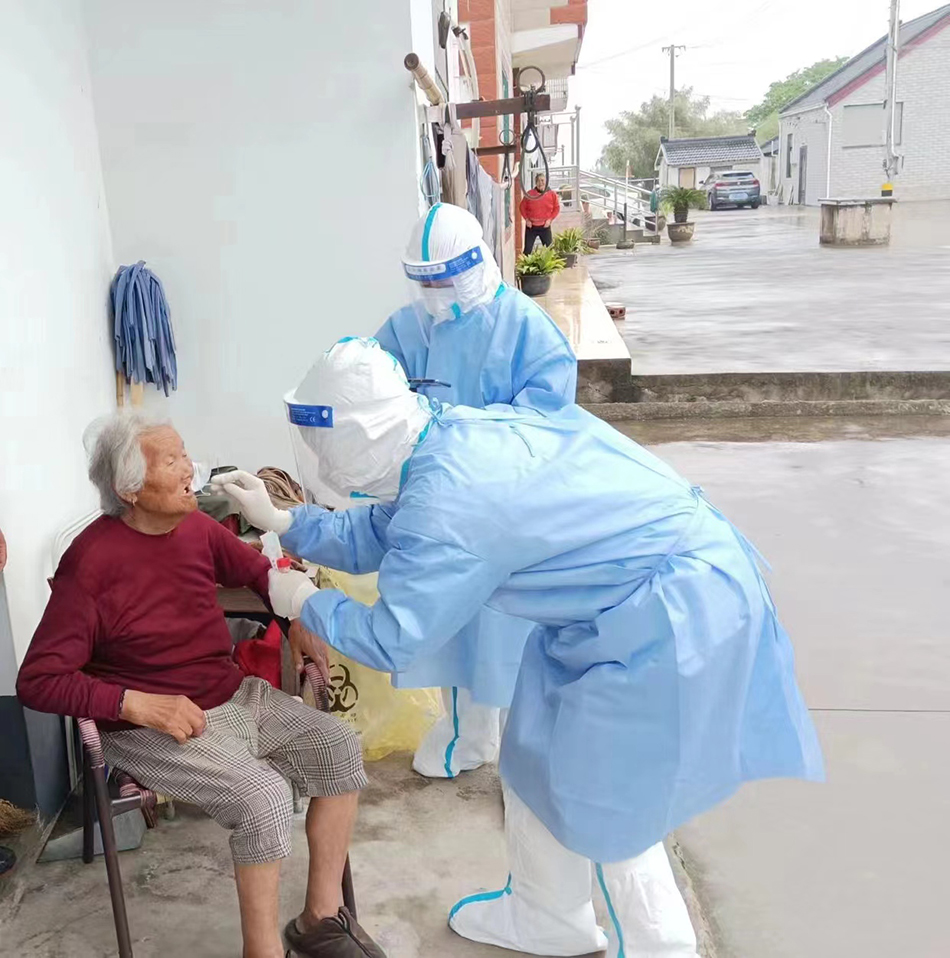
[283,521]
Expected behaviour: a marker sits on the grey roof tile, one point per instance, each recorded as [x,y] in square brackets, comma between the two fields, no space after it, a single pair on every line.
[707,150]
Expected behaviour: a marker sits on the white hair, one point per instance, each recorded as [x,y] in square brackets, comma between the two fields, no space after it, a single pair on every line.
[116,460]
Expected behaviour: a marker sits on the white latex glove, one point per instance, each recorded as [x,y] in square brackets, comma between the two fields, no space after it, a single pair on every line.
[250,493]
[288,592]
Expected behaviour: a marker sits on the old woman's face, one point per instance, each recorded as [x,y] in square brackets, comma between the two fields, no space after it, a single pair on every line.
[168,475]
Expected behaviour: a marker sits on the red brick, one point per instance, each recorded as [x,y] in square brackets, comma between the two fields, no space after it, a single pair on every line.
[574,14]
[481,10]
[464,15]
[482,33]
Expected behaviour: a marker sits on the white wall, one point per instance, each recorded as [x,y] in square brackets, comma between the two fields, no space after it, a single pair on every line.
[261,157]
[55,356]
[810,129]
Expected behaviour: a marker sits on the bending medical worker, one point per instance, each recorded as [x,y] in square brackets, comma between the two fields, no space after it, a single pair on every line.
[473,341]
[658,680]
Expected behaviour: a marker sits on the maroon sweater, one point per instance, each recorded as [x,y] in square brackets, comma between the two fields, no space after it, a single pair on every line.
[134,611]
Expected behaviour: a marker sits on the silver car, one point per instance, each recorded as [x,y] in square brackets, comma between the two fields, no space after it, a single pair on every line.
[732,188]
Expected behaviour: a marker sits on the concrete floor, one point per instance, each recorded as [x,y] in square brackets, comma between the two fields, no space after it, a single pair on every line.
[858,532]
[755,292]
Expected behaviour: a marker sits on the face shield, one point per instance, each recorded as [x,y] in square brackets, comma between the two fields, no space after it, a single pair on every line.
[353,423]
[451,271]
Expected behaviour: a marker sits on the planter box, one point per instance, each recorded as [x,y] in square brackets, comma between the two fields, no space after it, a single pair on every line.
[856,222]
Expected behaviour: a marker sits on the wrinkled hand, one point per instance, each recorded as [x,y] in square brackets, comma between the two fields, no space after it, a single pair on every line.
[250,494]
[288,591]
[304,644]
[175,715]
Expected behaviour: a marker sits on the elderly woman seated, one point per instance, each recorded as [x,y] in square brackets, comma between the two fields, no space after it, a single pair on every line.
[133,637]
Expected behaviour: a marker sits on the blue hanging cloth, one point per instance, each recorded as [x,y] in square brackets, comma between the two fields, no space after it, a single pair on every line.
[142,328]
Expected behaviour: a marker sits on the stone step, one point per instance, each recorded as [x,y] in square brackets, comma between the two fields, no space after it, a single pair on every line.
[734,409]
[785,387]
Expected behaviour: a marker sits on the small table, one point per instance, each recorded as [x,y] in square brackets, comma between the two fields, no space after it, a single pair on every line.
[245,603]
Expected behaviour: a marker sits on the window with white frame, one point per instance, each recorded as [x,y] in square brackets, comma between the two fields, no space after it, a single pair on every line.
[863,124]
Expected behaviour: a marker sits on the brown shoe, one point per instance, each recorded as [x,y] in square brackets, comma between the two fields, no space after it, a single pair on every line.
[336,937]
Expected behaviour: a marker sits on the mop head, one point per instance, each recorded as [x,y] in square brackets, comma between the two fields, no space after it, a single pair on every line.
[13,819]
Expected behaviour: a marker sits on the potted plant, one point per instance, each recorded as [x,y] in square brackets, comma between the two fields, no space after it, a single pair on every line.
[570,244]
[535,270]
[681,199]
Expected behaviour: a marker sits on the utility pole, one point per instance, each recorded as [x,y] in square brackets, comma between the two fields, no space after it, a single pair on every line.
[672,52]
[892,160]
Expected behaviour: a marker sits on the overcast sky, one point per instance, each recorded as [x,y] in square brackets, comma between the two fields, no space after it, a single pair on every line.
[734,50]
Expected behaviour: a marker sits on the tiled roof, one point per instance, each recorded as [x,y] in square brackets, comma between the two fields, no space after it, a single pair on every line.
[708,150]
[866,60]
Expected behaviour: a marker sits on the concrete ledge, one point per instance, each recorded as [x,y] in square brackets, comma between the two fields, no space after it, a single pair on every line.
[757,387]
[603,360]
[621,411]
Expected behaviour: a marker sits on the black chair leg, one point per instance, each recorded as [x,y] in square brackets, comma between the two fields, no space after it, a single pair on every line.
[88,811]
[349,896]
[111,854]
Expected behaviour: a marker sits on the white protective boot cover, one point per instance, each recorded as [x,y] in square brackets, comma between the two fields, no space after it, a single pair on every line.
[648,916]
[546,907]
[466,737]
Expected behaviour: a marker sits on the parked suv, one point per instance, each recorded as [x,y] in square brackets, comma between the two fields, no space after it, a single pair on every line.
[732,188]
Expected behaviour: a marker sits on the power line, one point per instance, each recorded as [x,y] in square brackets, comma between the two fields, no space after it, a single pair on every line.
[622,53]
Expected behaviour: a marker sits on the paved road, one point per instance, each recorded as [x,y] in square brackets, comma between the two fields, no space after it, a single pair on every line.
[755,292]
[858,534]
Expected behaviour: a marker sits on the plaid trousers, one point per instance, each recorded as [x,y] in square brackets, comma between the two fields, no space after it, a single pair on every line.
[240,769]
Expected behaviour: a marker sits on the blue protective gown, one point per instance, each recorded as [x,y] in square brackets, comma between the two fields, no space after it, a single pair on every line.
[659,678]
[509,351]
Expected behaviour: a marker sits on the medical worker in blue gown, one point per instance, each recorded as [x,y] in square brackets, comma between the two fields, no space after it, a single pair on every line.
[487,343]
[657,681]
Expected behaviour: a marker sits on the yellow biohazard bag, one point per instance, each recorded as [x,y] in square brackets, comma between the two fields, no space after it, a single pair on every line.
[388,719]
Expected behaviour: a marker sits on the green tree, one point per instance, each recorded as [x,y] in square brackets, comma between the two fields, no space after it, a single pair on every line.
[764,116]
[635,136]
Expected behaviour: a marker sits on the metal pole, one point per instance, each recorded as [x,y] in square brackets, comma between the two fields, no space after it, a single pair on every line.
[891,158]
[672,91]
[577,156]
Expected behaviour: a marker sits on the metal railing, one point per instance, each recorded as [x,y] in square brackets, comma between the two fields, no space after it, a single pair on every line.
[599,195]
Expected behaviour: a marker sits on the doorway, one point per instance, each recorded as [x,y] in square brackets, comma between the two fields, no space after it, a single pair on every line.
[802,173]
[688,177]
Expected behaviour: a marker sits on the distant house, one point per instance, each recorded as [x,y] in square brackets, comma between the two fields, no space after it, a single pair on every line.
[689,162]
[843,118]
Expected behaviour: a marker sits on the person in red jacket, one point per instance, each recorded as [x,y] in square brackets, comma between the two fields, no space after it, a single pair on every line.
[134,638]
[539,209]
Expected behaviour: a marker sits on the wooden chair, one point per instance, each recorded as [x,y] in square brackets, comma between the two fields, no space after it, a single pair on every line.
[97,802]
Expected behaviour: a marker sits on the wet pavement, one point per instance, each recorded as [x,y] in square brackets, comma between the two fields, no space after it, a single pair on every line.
[858,535]
[755,292]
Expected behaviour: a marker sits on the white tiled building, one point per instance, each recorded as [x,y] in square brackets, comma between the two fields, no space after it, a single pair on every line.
[845,113]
